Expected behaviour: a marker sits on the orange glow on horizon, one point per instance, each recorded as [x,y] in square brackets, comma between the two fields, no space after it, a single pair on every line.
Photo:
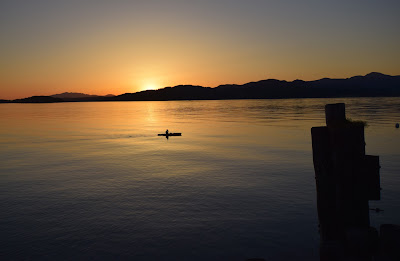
[149,86]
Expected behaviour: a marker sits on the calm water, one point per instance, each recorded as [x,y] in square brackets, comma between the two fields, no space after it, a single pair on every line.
[93,181]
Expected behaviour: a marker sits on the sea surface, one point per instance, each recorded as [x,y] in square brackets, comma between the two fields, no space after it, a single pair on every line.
[93,181]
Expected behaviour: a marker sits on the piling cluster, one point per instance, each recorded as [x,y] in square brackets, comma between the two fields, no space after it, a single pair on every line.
[346,179]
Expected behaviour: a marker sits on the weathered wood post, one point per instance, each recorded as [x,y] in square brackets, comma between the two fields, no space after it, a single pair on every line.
[346,179]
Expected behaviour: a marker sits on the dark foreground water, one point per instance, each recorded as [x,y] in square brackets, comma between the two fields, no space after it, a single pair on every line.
[94,181]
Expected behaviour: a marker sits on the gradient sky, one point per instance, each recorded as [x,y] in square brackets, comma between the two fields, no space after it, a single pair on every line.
[102,47]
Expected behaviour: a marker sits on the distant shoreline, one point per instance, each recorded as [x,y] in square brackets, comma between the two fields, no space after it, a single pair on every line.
[371,85]
[232,99]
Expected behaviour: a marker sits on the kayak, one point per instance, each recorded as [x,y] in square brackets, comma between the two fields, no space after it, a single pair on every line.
[170,134]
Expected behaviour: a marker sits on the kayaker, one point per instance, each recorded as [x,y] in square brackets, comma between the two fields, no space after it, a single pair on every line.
[166,132]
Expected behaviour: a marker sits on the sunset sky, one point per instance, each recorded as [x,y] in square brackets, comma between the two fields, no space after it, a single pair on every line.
[102,47]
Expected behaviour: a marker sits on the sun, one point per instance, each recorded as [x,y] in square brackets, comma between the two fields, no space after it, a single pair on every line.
[149,86]
[145,83]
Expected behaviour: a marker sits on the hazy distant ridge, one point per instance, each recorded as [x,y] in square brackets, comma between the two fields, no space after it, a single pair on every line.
[72,95]
[38,99]
[76,96]
[371,85]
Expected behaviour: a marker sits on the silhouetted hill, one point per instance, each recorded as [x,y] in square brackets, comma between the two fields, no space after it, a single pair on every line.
[69,97]
[180,92]
[76,97]
[371,85]
[38,99]
[72,95]
[4,101]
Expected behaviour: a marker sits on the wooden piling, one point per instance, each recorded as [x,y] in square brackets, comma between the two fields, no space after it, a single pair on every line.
[346,179]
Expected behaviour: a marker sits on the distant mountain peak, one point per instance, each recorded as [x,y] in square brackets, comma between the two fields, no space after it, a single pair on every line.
[298,81]
[376,75]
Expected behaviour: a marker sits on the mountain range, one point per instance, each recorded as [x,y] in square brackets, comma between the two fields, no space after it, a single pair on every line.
[371,85]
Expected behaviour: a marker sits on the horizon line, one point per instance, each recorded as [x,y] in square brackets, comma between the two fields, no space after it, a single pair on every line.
[78,92]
